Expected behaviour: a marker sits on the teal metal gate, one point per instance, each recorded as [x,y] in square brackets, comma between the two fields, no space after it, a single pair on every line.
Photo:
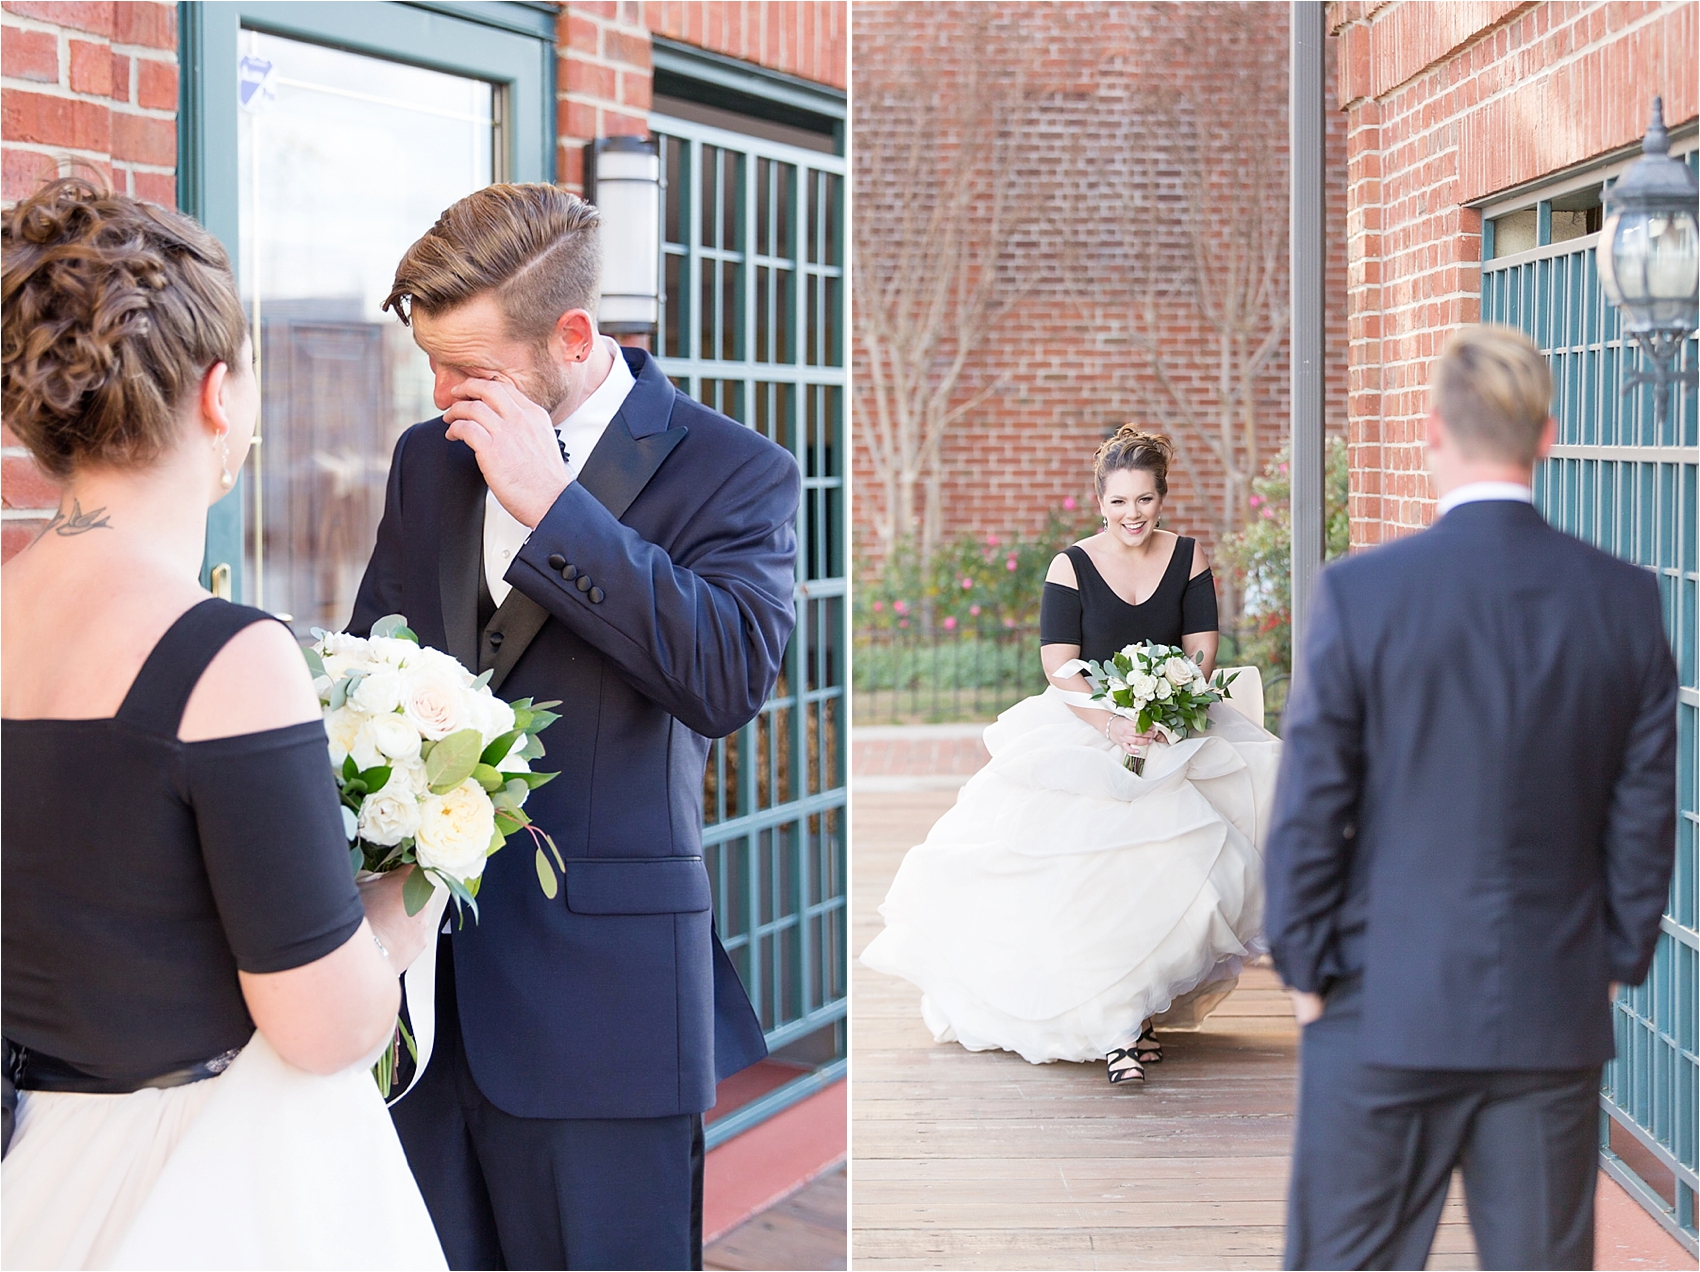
[1619,482]
[753,325]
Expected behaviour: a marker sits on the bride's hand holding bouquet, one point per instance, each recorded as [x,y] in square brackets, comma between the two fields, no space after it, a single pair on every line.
[1157,687]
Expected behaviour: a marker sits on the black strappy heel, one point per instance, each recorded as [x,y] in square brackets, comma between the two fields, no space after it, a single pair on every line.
[1148,1048]
[1124,1066]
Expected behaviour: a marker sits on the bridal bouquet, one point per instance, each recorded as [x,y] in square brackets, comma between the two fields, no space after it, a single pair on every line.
[434,769]
[1157,687]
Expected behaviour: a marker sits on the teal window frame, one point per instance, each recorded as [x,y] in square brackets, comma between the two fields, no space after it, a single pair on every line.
[510,45]
[778,865]
[1616,481]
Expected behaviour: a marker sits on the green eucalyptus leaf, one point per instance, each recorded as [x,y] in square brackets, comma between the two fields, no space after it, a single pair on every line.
[534,780]
[356,859]
[452,760]
[487,777]
[550,840]
[532,750]
[498,750]
[497,841]
[483,678]
[541,720]
[315,664]
[416,891]
[389,625]
[412,1047]
[546,876]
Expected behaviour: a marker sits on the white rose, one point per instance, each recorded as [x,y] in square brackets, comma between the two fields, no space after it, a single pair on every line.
[342,726]
[389,817]
[495,717]
[365,747]
[455,830]
[394,736]
[424,658]
[1179,671]
[408,775]
[1116,686]
[1164,690]
[341,644]
[392,651]
[434,703]
[1143,686]
[379,693]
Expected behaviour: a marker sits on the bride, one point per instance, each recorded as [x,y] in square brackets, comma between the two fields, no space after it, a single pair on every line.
[193,986]
[1066,907]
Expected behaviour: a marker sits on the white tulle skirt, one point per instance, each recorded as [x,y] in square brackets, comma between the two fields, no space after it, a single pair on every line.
[1064,900]
[264,1166]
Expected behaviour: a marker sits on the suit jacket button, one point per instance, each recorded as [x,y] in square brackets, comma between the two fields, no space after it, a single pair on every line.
[569,572]
[495,640]
[596,595]
[557,561]
[584,582]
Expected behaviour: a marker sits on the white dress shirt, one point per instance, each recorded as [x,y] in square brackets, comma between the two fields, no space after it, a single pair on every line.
[504,535]
[1476,491]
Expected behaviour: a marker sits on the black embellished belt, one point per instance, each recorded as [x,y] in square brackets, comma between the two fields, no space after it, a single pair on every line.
[32,1071]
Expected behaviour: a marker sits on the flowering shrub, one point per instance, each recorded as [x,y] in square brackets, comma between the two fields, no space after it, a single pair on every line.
[1260,556]
[977,582]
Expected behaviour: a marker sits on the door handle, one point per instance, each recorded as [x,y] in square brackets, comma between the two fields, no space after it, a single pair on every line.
[221,580]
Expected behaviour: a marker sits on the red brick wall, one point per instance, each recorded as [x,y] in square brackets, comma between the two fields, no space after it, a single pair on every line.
[1103,84]
[90,88]
[604,73]
[1446,104]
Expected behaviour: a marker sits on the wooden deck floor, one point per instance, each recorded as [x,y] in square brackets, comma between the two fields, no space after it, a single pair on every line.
[980,1160]
[805,1231]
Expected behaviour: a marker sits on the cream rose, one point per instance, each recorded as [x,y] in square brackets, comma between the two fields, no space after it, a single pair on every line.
[394,736]
[513,761]
[1165,690]
[389,817]
[1179,671]
[342,726]
[365,748]
[434,703]
[1143,686]
[408,775]
[379,693]
[495,717]
[455,831]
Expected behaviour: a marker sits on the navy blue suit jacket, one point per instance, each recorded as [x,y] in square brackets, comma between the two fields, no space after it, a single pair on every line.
[655,600]
[1477,800]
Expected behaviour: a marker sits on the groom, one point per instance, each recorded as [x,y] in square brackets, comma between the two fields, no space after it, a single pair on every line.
[581,529]
[1473,835]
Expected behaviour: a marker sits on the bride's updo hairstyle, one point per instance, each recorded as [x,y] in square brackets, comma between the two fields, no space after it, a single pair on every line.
[113,312]
[1132,447]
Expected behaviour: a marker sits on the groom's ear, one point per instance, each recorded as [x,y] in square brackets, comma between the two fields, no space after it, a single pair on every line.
[1435,433]
[1549,435]
[574,336]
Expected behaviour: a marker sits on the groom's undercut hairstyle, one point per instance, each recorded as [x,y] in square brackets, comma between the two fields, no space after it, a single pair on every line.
[1493,388]
[536,248]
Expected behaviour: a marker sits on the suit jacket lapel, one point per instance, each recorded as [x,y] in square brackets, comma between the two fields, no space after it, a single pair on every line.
[635,444]
[460,552]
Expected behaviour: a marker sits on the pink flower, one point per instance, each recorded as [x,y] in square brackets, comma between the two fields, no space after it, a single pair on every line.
[900,607]
[878,606]
[967,584]
[991,541]
[1009,622]
[1255,500]
[974,610]
[1009,564]
[903,622]
[1283,468]
[1069,504]
[950,624]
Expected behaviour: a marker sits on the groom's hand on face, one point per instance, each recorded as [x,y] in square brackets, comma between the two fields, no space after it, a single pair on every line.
[516,446]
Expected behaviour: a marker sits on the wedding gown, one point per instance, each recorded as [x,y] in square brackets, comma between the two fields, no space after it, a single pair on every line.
[1064,899]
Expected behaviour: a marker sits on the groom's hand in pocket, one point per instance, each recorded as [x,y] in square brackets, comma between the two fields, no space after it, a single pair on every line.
[516,446]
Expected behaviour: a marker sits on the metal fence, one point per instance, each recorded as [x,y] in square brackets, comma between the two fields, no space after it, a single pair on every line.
[1620,481]
[912,676]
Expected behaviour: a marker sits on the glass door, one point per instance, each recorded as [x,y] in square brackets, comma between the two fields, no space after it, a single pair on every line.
[344,161]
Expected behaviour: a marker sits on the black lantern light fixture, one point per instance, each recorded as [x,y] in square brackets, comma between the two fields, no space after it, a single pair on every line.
[1649,260]
[623,179]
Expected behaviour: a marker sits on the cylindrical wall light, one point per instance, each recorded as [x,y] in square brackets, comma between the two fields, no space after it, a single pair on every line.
[623,179]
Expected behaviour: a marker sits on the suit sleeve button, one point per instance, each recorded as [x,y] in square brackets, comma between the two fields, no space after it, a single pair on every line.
[569,572]
[557,561]
[596,595]
[584,582]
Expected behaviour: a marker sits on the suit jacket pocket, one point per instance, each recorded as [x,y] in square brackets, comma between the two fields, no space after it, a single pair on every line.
[636,885]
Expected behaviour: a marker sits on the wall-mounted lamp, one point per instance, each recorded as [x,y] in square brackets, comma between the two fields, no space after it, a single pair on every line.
[1649,260]
[623,179]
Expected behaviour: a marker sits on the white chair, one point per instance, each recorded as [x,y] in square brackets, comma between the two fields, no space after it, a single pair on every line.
[1245,695]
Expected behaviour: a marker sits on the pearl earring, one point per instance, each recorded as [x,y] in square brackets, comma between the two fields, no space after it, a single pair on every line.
[225,480]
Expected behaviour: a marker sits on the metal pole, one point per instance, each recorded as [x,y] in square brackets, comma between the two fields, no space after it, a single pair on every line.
[1308,260]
